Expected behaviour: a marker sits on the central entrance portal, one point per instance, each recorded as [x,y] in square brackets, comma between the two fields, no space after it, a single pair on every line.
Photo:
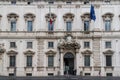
[69,64]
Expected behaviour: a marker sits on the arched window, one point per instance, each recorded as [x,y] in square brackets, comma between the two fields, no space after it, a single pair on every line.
[12,18]
[107,19]
[68,18]
[50,18]
[86,21]
[29,18]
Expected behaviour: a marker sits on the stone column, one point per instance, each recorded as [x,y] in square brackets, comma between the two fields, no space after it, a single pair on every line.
[77,62]
[61,62]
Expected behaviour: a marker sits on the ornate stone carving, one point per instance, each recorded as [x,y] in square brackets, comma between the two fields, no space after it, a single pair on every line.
[50,16]
[50,52]
[108,52]
[2,49]
[29,16]
[12,52]
[85,16]
[12,17]
[68,43]
[29,52]
[68,17]
[87,52]
[108,16]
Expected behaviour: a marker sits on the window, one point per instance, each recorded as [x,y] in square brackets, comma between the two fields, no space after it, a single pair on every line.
[28,74]
[12,61]
[50,44]
[13,26]
[50,74]
[11,74]
[68,2]
[29,61]
[50,26]
[69,26]
[50,61]
[107,25]
[86,44]
[29,26]
[29,44]
[86,25]
[13,1]
[108,60]
[87,74]
[107,44]
[87,60]
[50,2]
[12,45]
[86,1]
[108,74]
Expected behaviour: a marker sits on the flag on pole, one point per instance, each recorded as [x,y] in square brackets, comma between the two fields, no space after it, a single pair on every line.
[92,13]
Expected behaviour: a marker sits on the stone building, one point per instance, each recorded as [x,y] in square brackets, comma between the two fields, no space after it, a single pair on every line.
[57,37]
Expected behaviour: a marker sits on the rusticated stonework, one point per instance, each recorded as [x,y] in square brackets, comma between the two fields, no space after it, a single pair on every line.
[40,55]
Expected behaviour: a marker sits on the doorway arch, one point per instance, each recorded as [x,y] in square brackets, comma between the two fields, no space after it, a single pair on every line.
[69,63]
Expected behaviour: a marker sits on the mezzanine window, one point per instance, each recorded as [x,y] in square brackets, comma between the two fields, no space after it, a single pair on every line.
[13,45]
[107,44]
[29,45]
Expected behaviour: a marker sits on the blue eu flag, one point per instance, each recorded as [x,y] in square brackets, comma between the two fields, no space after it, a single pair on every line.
[92,13]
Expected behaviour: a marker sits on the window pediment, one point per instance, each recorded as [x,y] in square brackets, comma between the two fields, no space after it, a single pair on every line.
[29,16]
[29,52]
[12,52]
[85,16]
[12,16]
[50,52]
[108,16]
[108,52]
[87,52]
[50,16]
[68,17]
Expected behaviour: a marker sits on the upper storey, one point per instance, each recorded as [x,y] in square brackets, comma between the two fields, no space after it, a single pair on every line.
[36,2]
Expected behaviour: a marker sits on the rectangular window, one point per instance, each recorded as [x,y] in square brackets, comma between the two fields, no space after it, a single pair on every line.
[107,25]
[87,60]
[68,2]
[69,26]
[11,74]
[28,74]
[13,26]
[50,61]
[29,44]
[86,25]
[87,74]
[13,2]
[50,26]
[86,44]
[108,60]
[50,74]
[107,44]
[50,2]
[12,45]
[12,61]
[29,61]
[29,26]
[50,45]
[108,74]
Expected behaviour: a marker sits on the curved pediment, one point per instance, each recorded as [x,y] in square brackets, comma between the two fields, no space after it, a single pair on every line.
[108,52]
[29,52]
[12,52]
[87,52]
[50,52]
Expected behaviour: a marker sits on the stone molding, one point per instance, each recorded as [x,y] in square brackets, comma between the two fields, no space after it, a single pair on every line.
[85,16]
[50,16]
[108,16]
[12,52]
[51,52]
[108,52]
[29,52]
[12,17]
[29,16]
[68,17]
[87,52]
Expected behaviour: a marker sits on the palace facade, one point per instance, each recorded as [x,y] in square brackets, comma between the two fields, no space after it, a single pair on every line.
[57,37]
